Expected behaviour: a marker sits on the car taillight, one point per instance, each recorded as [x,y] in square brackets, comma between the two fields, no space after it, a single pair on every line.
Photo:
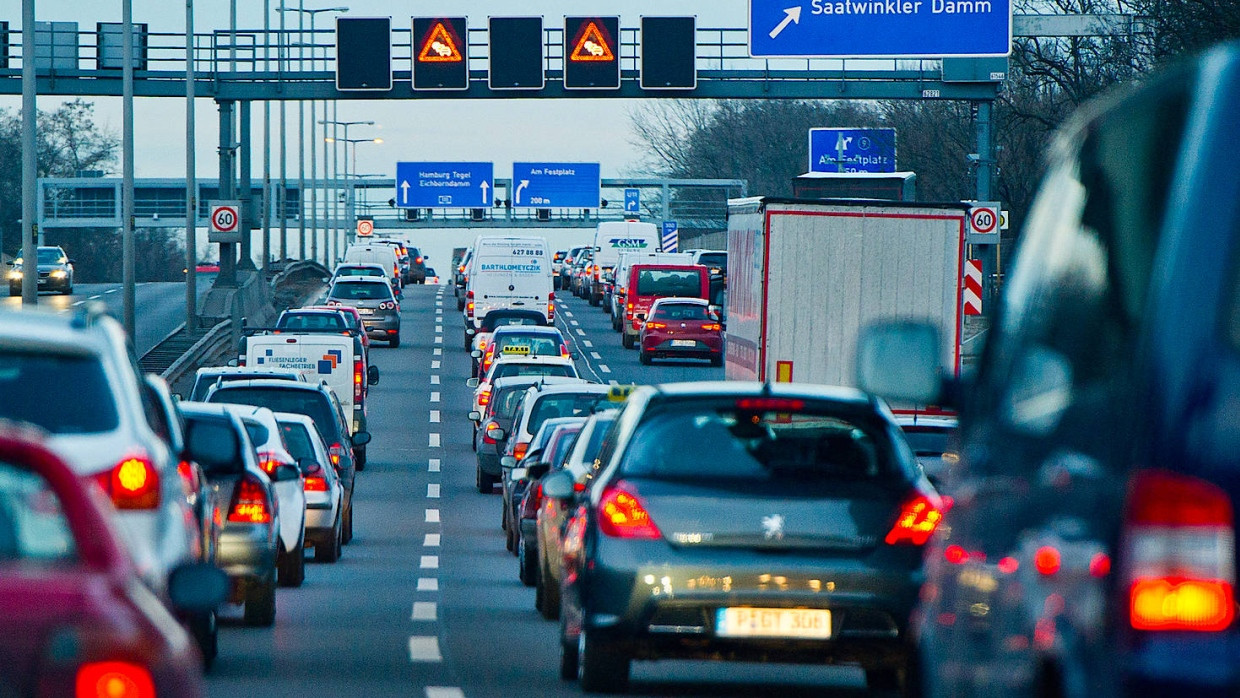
[186,471]
[486,432]
[1179,543]
[551,307]
[114,680]
[469,304]
[564,351]
[315,482]
[712,327]
[249,504]
[335,453]
[359,380]
[268,462]
[419,260]
[518,450]
[916,523]
[484,397]
[622,515]
[131,484]
[656,325]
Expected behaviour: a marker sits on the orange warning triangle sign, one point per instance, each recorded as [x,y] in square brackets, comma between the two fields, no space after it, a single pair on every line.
[440,47]
[592,47]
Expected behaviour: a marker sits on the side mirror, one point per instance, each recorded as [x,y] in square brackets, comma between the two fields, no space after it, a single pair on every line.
[574,355]
[232,363]
[518,473]
[308,465]
[477,353]
[472,382]
[475,416]
[470,331]
[372,375]
[558,485]
[197,587]
[361,438]
[73,261]
[496,434]
[900,361]
[507,462]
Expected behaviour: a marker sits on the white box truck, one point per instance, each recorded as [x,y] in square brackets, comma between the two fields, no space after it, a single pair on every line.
[806,276]
[610,240]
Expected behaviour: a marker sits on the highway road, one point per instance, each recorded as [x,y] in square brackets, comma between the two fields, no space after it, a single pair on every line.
[159,306]
[426,601]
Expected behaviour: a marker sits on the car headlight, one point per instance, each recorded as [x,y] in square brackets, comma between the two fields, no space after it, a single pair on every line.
[60,274]
[15,274]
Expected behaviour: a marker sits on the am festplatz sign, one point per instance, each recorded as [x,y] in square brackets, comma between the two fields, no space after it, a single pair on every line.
[879,28]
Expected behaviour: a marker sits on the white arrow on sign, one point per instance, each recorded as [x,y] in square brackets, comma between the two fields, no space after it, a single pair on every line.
[484,186]
[793,15]
[404,192]
[516,195]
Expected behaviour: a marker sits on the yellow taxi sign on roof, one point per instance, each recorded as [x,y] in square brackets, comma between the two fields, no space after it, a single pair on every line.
[522,349]
[620,393]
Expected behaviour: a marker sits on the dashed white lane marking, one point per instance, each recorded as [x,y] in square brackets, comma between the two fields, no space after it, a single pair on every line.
[432,516]
[581,332]
[439,329]
[424,610]
[568,313]
[574,323]
[429,562]
[78,303]
[436,364]
[434,416]
[434,440]
[587,344]
[438,351]
[603,368]
[424,649]
[431,540]
[434,397]
[433,466]
[439,340]
[432,491]
[613,382]
[428,584]
[444,692]
[596,355]
[95,298]
[112,290]
[434,380]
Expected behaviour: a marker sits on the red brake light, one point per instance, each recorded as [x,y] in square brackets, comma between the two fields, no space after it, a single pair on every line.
[564,351]
[1180,554]
[712,327]
[186,471]
[518,450]
[551,306]
[131,484]
[955,555]
[114,680]
[916,523]
[1009,565]
[250,503]
[622,515]
[770,404]
[1047,560]
[484,397]
[486,438]
[315,483]
[358,380]
[419,260]
[334,453]
[268,462]
[656,325]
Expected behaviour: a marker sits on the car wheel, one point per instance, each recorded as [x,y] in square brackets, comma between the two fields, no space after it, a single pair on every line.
[643,357]
[568,657]
[627,340]
[602,667]
[346,528]
[205,629]
[330,552]
[469,342]
[394,341]
[512,536]
[526,570]
[260,603]
[904,681]
[460,302]
[485,482]
[68,290]
[716,361]
[359,460]
[293,567]
[593,299]
[547,592]
[616,324]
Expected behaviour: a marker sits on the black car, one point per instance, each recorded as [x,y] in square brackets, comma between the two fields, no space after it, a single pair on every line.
[417,266]
[491,427]
[791,531]
[55,271]
[1092,549]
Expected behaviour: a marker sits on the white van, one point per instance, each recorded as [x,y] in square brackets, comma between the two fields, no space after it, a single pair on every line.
[328,358]
[508,273]
[613,238]
[621,277]
[377,254]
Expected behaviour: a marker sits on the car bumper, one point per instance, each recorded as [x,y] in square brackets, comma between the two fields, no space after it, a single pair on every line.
[246,551]
[703,347]
[381,324]
[489,463]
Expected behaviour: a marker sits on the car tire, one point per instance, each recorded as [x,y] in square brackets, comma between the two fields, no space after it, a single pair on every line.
[359,460]
[594,300]
[527,572]
[484,482]
[626,340]
[513,536]
[260,603]
[292,572]
[602,667]
[903,681]
[460,302]
[616,325]
[205,629]
[547,592]
[330,552]
[643,357]
[568,658]
[346,526]
[716,361]
[394,341]
[469,342]
[68,290]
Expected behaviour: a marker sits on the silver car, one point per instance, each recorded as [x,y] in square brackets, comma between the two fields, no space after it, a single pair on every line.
[325,503]
[374,301]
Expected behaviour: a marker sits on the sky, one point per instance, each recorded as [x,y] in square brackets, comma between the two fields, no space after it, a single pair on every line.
[501,131]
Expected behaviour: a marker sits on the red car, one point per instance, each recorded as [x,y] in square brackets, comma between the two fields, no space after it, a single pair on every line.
[681,327]
[74,617]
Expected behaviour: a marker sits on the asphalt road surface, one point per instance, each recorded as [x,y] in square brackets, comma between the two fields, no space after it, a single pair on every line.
[425,601]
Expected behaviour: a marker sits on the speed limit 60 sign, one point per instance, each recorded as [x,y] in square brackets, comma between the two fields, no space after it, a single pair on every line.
[984,223]
[225,221]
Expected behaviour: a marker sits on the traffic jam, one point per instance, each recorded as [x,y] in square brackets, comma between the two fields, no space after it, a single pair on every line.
[773,466]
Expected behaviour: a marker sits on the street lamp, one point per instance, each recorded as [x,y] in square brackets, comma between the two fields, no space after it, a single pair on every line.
[331,139]
[350,208]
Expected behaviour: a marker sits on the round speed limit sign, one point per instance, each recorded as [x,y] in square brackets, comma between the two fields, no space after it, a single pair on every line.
[983,220]
[365,228]
[224,218]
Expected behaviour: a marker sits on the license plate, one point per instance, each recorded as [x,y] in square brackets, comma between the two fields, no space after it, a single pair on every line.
[365,311]
[773,622]
[684,343]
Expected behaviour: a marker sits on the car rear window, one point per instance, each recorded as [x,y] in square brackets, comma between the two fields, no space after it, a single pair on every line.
[752,445]
[667,282]
[681,311]
[928,441]
[533,345]
[378,291]
[312,321]
[586,451]
[493,320]
[561,442]
[33,527]
[553,370]
[58,393]
[508,400]
[297,436]
[361,271]
[313,404]
[562,405]
[714,259]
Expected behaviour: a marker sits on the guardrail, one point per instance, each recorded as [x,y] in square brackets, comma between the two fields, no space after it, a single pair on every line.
[214,341]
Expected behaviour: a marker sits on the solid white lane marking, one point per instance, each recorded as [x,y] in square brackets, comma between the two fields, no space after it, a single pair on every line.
[431,540]
[603,368]
[434,465]
[432,491]
[428,584]
[438,352]
[435,380]
[430,562]
[434,416]
[444,692]
[424,649]
[587,344]
[596,355]
[432,516]
[95,298]
[439,340]
[434,440]
[436,364]
[424,610]
[581,332]
[434,397]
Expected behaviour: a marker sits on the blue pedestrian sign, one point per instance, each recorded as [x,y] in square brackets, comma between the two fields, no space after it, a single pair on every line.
[852,150]
[444,184]
[671,236]
[555,185]
[879,28]
[632,201]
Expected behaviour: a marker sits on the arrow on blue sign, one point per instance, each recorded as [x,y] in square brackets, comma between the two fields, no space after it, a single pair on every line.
[632,201]
[444,184]
[555,184]
[852,150]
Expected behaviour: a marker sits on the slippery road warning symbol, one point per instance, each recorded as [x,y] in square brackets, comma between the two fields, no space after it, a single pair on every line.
[440,46]
[593,45]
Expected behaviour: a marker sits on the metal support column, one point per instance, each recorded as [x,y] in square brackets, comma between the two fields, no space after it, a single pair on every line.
[29,254]
[228,251]
[247,192]
[985,171]
[191,182]
[128,252]
[266,203]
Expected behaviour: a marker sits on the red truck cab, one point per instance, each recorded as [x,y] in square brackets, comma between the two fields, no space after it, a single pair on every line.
[649,282]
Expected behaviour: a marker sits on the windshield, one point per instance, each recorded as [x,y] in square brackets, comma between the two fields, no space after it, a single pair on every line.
[310,403]
[508,370]
[53,255]
[312,321]
[59,394]
[666,282]
[33,526]
[362,292]
[562,405]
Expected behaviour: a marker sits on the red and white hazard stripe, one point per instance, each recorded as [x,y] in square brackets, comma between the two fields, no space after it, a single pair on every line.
[973,287]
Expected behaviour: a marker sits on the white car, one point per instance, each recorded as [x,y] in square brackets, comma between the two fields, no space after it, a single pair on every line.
[322,485]
[519,365]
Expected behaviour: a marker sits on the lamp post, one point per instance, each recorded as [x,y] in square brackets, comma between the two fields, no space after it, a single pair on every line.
[332,139]
[350,208]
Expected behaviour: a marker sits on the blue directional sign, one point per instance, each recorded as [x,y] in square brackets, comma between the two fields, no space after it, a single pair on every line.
[632,201]
[671,236]
[444,184]
[555,184]
[852,150]
[879,28]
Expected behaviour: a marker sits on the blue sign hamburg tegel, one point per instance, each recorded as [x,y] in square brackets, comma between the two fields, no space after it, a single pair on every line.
[555,184]
[852,150]
[632,201]
[444,184]
[876,28]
